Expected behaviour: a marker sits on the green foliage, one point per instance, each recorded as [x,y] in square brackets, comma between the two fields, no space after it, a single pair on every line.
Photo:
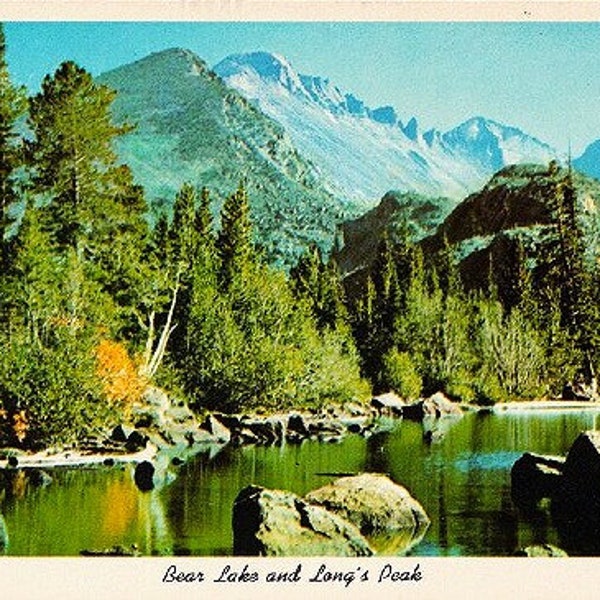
[511,353]
[400,374]
[256,346]
[12,107]
[55,386]
[319,284]
[234,243]
[72,152]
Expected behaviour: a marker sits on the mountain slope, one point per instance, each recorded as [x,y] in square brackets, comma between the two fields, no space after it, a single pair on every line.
[365,152]
[515,205]
[359,238]
[191,127]
[589,161]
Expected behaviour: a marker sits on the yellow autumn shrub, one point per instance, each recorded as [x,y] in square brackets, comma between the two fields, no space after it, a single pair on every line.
[118,372]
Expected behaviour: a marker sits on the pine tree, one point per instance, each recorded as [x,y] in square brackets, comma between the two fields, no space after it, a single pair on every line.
[234,243]
[12,107]
[182,232]
[578,312]
[75,164]
[91,203]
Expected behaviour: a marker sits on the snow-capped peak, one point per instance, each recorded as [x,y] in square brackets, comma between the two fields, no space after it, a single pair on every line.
[363,152]
[267,66]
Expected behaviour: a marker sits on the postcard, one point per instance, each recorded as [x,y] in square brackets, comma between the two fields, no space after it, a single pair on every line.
[299,298]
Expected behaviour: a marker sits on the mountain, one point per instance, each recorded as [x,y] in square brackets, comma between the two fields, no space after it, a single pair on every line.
[189,126]
[363,152]
[516,204]
[358,239]
[589,161]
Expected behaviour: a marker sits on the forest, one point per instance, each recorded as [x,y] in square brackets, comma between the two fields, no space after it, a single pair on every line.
[100,298]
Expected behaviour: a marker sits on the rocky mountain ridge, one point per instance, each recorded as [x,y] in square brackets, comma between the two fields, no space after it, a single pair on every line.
[189,126]
[363,152]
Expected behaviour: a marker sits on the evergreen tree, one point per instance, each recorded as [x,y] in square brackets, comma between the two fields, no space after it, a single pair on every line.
[91,203]
[74,161]
[320,285]
[234,243]
[182,232]
[12,107]
[579,315]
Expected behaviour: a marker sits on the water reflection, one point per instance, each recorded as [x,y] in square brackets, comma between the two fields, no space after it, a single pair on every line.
[460,473]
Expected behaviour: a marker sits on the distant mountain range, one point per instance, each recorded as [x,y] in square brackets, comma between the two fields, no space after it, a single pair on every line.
[311,155]
[363,152]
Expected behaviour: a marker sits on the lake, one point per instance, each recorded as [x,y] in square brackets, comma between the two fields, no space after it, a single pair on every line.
[462,479]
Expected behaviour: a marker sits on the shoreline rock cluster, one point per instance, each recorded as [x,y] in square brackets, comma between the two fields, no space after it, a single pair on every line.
[163,433]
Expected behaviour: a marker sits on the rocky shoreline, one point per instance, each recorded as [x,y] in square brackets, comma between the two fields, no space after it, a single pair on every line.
[162,433]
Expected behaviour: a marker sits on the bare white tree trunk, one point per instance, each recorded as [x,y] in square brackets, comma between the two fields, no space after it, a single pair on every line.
[153,358]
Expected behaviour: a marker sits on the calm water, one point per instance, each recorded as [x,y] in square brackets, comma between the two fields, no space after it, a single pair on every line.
[462,480]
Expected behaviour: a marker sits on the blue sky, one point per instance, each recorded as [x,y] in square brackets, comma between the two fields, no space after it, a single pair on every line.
[541,77]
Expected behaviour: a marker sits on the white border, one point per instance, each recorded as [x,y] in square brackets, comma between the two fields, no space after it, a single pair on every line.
[481,578]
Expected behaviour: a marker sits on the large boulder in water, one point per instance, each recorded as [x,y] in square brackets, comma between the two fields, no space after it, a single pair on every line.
[388,404]
[276,523]
[435,406]
[372,502]
[576,507]
[534,477]
[583,462]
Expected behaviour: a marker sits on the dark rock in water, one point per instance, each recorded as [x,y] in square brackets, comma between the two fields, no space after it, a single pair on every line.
[136,441]
[246,436]
[374,503]
[230,421]
[144,476]
[121,433]
[389,404]
[294,438]
[268,431]
[582,465]
[13,462]
[215,427]
[297,424]
[39,478]
[534,477]
[435,406]
[109,462]
[354,427]
[541,551]
[177,461]
[276,523]
[326,428]
[575,508]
